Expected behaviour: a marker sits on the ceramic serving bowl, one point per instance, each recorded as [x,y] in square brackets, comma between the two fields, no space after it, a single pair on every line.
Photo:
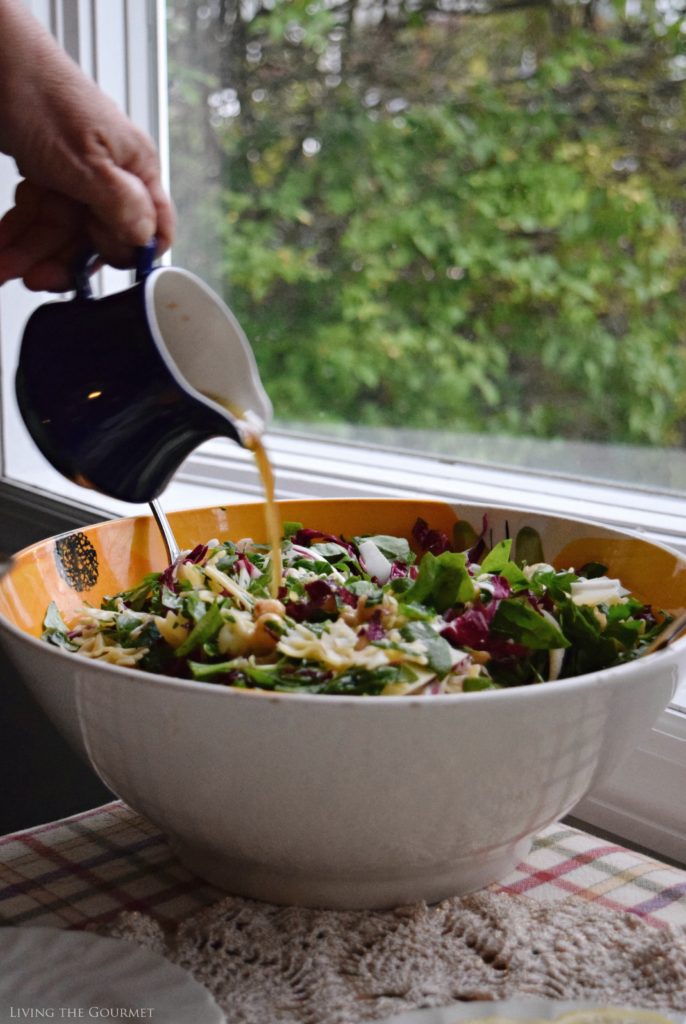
[338,801]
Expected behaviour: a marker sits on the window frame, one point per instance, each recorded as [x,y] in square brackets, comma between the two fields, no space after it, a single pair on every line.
[644,802]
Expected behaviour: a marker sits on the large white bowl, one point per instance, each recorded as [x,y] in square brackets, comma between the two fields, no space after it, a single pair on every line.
[338,801]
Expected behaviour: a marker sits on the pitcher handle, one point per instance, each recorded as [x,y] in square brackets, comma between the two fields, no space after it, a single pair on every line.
[145,256]
[82,275]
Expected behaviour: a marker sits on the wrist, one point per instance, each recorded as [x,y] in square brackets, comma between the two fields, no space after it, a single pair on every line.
[32,64]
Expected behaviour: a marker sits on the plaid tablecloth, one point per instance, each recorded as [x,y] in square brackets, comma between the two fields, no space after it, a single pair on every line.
[86,869]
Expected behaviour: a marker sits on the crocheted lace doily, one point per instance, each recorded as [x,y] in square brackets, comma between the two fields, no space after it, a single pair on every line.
[288,965]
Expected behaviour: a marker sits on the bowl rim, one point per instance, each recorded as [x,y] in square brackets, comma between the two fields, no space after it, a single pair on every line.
[527,692]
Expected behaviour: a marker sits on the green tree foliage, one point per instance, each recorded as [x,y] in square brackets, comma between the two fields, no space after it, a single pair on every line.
[427,215]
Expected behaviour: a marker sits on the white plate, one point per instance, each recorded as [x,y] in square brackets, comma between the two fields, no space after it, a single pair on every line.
[519,1008]
[47,972]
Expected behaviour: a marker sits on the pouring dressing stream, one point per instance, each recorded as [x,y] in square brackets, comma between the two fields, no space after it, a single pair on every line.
[253,442]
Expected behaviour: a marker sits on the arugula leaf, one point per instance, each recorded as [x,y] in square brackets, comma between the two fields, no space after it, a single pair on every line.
[438,650]
[53,621]
[208,673]
[124,626]
[415,612]
[655,627]
[520,671]
[442,581]
[622,627]
[557,584]
[226,562]
[138,595]
[290,528]
[169,599]
[260,586]
[160,658]
[521,623]
[192,605]
[592,570]
[498,561]
[627,632]
[258,555]
[367,589]
[514,576]
[330,551]
[55,630]
[361,682]
[624,610]
[204,630]
[149,636]
[590,650]
[472,684]
[318,568]
[498,557]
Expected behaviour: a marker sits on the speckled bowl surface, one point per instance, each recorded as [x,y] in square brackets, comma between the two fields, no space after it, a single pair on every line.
[338,801]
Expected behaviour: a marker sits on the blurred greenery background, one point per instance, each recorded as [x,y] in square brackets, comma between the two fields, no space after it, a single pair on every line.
[461,216]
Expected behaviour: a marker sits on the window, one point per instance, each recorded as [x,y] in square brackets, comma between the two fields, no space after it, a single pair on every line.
[453,227]
[288,123]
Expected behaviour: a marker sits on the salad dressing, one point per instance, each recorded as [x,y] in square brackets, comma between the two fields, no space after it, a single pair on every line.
[253,442]
[271,516]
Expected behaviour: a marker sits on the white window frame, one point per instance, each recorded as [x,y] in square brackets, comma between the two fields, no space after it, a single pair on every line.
[122,44]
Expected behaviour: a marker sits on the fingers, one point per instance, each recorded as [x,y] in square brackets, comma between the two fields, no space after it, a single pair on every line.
[56,274]
[120,183]
[135,212]
[108,208]
[45,235]
[42,228]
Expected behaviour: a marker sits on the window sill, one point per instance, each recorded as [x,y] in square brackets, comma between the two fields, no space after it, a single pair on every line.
[311,467]
[644,800]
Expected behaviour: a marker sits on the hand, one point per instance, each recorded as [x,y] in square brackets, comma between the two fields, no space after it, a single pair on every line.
[92,179]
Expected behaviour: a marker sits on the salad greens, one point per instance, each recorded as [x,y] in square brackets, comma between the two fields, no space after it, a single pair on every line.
[374,615]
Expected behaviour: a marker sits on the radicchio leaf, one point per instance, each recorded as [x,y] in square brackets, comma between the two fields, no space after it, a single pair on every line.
[373,630]
[320,602]
[306,537]
[473,629]
[197,555]
[475,554]
[168,578]
[244,562]
[430,540]
[400,571]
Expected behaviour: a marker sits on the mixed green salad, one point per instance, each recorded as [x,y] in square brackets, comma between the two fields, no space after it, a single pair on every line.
[372,615]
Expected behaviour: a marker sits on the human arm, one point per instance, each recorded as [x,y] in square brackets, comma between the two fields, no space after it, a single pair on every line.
[91,177]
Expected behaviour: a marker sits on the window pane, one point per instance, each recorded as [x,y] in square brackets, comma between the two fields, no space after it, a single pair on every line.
[452,225]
